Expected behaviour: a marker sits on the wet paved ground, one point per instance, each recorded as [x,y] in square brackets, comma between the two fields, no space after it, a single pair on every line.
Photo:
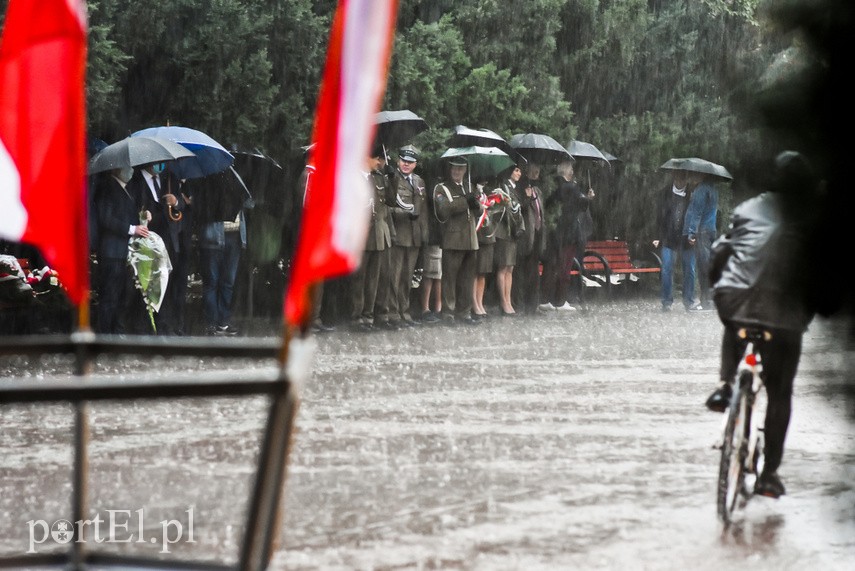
[562,441]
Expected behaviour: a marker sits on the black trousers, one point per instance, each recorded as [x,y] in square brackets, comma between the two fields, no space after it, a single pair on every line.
[120,307]
[525,290]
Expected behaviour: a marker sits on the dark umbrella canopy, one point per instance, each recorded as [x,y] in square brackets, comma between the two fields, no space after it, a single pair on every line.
[210,157]
[263,175]
[694,164]
[539,148]
[585,151]
[463,136]
[136,151]
[396,128]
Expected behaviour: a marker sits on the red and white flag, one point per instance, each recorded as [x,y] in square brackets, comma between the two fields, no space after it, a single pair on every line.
[43,135]
[334,223]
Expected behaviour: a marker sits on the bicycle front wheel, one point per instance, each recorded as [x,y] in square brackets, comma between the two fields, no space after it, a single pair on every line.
[731,473]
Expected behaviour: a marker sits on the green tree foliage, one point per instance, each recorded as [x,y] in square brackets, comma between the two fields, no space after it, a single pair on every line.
[643,79]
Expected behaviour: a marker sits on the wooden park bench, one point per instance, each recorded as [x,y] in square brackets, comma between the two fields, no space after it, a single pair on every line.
[609,263]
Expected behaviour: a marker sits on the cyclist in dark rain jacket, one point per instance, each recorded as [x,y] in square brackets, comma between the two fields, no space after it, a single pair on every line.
[760,279]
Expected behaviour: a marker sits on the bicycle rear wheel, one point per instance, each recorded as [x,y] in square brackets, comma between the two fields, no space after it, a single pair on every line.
[731,473]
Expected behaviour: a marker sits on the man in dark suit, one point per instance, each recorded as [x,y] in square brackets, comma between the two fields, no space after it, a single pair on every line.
[117,211]
[161,195]
[531,243]
[573,203]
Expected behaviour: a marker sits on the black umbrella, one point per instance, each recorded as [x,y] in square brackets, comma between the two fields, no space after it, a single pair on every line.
[539,148]
[136,151]
[694,164]
[262,174]
[464,136]
[396,128]
[585,151]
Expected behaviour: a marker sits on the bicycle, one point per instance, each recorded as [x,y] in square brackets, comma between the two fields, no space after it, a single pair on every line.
[742,446]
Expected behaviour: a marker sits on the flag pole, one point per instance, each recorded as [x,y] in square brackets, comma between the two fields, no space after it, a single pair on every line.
[362,33]
[285,409]
[302,328]
[84,322]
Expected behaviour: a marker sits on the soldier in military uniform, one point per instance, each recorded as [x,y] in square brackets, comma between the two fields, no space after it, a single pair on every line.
[411,232]
[457,209]
[366,279]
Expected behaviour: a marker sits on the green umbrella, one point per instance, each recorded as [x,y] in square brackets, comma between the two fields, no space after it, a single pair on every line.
[483,161]
[694,164]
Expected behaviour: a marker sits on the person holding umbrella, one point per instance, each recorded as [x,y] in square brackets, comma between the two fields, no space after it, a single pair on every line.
[457,209]
[671,214]
[219,201]
[573,204]
[154,186]
[531,243]
[699,229]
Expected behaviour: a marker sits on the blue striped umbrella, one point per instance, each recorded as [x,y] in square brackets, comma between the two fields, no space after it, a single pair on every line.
[210,156]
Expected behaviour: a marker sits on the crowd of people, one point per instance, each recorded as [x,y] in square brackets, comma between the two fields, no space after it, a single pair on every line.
[467,247]
[470,247]
[136,203]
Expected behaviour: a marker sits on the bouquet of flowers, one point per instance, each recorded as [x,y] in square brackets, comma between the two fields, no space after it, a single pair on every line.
[151,265]
[493,203]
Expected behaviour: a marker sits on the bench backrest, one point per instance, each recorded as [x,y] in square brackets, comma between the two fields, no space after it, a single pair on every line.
[616,253]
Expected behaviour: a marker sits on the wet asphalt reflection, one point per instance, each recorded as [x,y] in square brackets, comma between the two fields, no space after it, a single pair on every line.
[564,440]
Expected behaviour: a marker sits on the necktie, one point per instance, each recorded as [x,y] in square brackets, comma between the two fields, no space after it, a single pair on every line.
[537,217]
[156,186]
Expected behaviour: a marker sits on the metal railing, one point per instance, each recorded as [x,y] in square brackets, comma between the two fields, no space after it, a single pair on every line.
[262,523]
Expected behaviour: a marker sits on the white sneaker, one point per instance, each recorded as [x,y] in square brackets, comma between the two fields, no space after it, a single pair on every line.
[593,283]
[546,307]
[567,307]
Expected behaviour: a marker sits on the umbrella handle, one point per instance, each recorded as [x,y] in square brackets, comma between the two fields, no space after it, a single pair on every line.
[175,216]
[172,215]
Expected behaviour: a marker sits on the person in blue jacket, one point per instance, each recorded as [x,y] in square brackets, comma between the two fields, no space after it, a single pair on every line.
[699,231]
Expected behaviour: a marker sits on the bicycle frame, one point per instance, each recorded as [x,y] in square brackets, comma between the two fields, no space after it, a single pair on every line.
[742,442]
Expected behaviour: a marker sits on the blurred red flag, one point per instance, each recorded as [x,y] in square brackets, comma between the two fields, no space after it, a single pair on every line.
[335,221]
[43,135]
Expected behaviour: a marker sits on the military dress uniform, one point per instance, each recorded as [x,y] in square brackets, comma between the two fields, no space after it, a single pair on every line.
[366,279]
[409,214]
[458,216]
[508,226]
